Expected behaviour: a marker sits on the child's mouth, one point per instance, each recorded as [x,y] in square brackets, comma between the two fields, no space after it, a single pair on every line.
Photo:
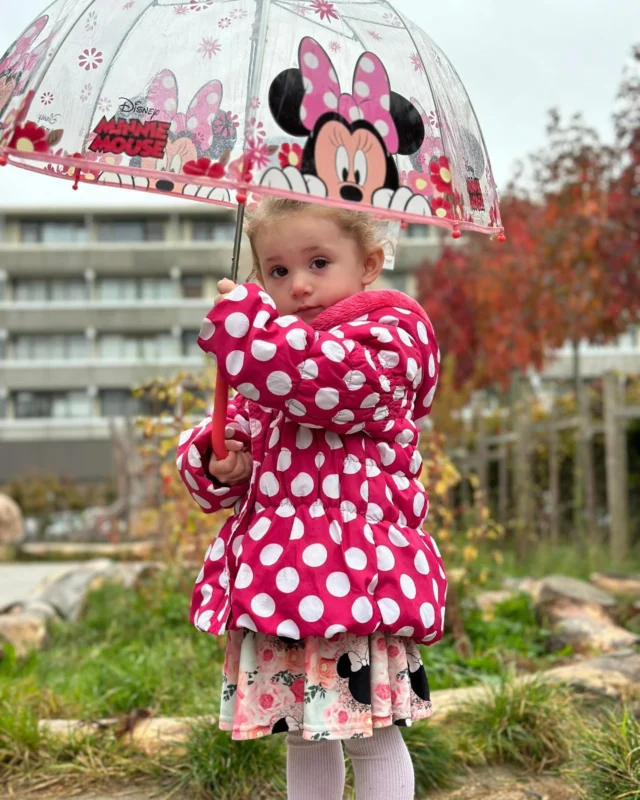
[308,313]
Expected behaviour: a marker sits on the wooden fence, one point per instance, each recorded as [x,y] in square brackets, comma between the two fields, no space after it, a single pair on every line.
[512,449]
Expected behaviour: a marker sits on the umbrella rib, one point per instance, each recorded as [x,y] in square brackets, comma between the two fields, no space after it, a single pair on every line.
[281,4]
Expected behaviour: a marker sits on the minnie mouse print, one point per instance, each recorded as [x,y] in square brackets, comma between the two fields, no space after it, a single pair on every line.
[351,138]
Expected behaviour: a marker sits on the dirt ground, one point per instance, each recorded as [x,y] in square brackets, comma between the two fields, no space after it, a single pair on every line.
[495,784]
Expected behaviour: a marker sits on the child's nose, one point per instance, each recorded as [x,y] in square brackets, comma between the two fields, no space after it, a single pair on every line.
[300,286]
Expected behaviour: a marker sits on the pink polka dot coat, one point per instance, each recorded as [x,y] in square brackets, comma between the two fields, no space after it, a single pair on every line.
[327,534]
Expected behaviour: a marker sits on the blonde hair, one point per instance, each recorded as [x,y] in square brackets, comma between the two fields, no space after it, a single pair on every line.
[360,227]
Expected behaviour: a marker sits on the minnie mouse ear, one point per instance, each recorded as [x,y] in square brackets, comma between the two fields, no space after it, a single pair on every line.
[285,101]
[409,124]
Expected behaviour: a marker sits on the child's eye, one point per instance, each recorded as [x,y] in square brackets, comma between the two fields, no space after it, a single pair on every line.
[320,263]
[279,272]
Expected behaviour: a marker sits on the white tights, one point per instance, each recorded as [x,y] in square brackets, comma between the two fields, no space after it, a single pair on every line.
[381,765]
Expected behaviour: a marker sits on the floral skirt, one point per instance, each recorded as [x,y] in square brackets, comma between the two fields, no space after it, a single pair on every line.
[338,688]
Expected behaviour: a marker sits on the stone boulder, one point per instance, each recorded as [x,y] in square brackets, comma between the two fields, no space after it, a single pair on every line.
[621,585]
[24,631]
[11,526]
[487,601]
[580,615]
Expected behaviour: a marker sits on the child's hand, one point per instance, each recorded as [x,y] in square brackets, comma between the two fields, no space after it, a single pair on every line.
[236,467]
[225,287]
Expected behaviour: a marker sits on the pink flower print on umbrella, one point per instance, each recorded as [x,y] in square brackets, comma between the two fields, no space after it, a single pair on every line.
[180,10]
[441,174]
[46,98]
[325,9]
[290,155]
[128,5]
[258,152]
[200,5]
[392,19]
[335,47]
[375,35]
[420,183]
[20,60]
[90,58]
[417,62]
[239,13]
[91,20]
[15,57]
[209,47]
[441,208]
[225,123]
[85,92]
[225,22]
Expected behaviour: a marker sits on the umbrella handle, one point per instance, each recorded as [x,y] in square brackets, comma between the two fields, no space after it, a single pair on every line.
[219,419]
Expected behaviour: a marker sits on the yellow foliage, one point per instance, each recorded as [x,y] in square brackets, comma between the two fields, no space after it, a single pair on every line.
[470,554]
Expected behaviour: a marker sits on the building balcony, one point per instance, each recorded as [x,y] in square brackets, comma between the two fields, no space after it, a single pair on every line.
[105,317]
[99,373]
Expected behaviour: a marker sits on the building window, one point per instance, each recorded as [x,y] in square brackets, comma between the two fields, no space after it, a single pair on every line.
[119,403]
[119,347]
[35,290]
[55,348]
[52,405]
[213,230]
[415,231]
[114,290]
[190,345]
[131,230]
[192,286]
[53,232]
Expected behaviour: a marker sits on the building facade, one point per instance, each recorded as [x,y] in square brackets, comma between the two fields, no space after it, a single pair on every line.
[95,302]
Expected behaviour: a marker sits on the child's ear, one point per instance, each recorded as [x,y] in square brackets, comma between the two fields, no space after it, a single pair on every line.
[373,266]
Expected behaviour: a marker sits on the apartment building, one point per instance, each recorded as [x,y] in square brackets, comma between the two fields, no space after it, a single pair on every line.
[96,301]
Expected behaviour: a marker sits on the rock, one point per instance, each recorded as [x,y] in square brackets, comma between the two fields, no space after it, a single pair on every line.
[560,587]
[137,551]
[33,608]
[67,591]
[489,600]
[152,736]
[11,523]
[585,633]
[521,585]
[131,575]
[623,585]
[616,676]
[24,632]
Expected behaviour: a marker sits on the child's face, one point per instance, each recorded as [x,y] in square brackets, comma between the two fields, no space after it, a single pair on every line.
[308,264]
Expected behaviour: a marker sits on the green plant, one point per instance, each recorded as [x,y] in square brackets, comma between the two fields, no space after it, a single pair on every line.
[606,764]
[521,723]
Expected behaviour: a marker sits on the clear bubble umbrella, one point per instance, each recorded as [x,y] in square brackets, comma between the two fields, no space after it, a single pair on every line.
[336,102]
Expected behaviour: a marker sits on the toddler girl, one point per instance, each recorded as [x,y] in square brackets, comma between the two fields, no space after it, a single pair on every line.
[322,577]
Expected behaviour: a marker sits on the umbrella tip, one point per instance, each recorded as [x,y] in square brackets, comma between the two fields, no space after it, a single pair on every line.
[502,238]
[3,160]
[456,233]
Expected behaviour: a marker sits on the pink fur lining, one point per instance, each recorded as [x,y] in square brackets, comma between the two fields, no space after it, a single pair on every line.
[364,303]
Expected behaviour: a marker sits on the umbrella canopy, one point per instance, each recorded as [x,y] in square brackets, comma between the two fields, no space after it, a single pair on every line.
[338,102]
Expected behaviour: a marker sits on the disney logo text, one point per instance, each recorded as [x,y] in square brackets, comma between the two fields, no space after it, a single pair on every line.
[128,106]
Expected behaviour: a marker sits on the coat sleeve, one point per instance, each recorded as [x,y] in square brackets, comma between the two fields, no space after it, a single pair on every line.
[355,378]
[194,454]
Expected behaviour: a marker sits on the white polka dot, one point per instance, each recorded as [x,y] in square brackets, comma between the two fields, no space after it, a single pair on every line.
[421,563]
[442,573]
[436,590]
[427,614]
[405,437]
[330,100]
[303,113]
[263,351]
[304,438]
[367,64]
[385,102]
[338,584]
[207,330]
[193,457]
[311,60]
[245,621]
[401,481]
[348,511]
[335,531]
[386,559]
[355,113]
[374,513]
[373,585]
[288,629]
[432,366]
[388,359]
[412,368]
[311,608]
[333,351]
[271,554]
[331,486]
[286,321]
[261,319]
[333,440]
[237,324]
[381,413]
[297,338]
[344,417]
[371,401]
[262,605]
[430,637]
[406,631]
[355,380]
[368,533]
[356,558]
[269,484]
[408,586]
[200,577]
[319,460]
[428,400]
[193,483]
[285,509]
[327,398]
[387,454]
[418,504]
[202,502]
[244,578]
[297,530]
[238,294]
[332,630]
[207,592]
[308,370]
[235,362]
[279,383]
[284,460]
[362,610]
[213,98]
[296,408]
[259,529]
[397,538]
[351,465]
[381,126]
[389,609]
[315,555]
[237,545]
[362,89]
[422,333]
[192,123]
[364,492]
[308,84]
[302,485]
[316,510]
[287,580]
[217,551]
[274,438]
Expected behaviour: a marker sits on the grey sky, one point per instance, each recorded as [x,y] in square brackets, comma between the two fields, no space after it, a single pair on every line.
[517,58]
